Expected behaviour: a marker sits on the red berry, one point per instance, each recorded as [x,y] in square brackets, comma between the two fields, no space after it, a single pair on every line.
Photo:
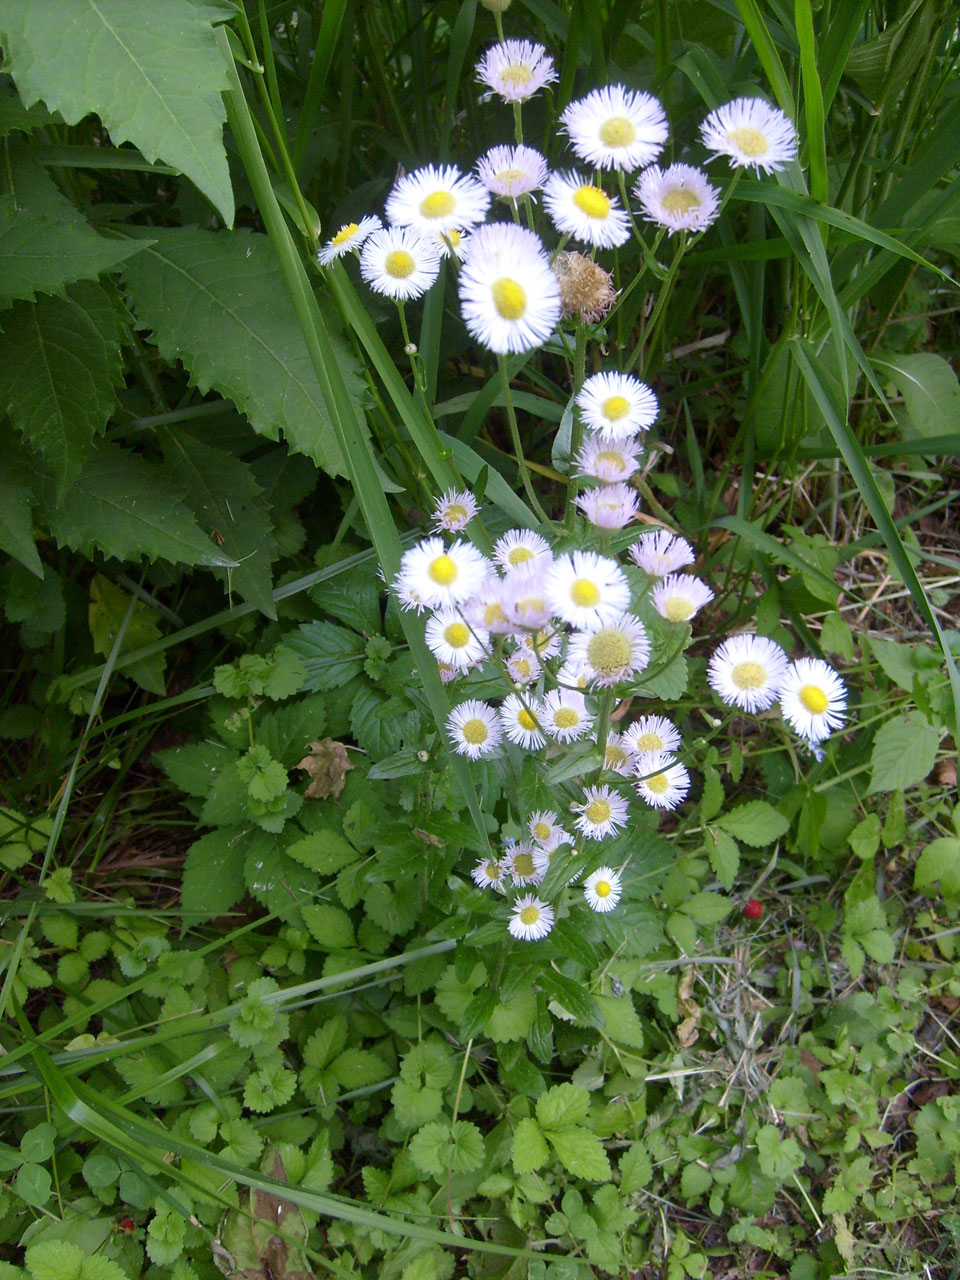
[127,1224]
[753,909]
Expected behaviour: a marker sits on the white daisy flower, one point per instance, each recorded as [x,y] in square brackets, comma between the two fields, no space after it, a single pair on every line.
[602,889]
[813,699]
[350,236]
[453,244]
[408,597]
[448,672]
[602,814]
[610,506]
[451,641]
[574,675]
[525,598]
[454,510]
[614,651]
[544,642]
[512,171]
[616,405]
[618,755]
[565,715]
[747,671]
[520,864]
[473,728]
[545,830]
[616,128]
[661,552]
[579,208]
[601,458]
[678,597]
[399,263]
[523,667]
[509,297]
[486,607]
[660,780]
[521,548]
[679,198]
[522,721]
[587,590]
[438,575]
[516,69]
[531,919]
[748,131]
[433,200]
[653,733]
[488,874]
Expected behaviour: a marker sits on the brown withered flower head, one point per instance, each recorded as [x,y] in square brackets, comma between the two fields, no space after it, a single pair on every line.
[586,290]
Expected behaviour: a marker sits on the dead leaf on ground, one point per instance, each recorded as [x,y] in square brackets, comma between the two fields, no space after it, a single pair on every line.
[328,766]
[688,1031]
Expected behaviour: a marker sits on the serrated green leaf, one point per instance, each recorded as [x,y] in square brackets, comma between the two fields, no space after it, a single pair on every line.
[125,507]
[581,1153]
[636,1169]
[281,884]
[157,85]
[59,367]
[55,1260]
[331,927]
[217,302]
[331,654]
[755,823]
[195,766]
[213,875]
[779,1156]
[288,731]
[220,490]
[15,117]
[623,1023]
[940,860]
[325,852]
[41,254]
[724,854]
[355,1068]
[379,723]
[706,908]
[106,615]
[904,752]
[564,1104]
[16,526]
[440,1148]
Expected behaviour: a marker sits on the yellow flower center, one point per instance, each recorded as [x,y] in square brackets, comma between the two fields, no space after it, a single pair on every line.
[530,604]
[592,201]
[517,74]
[678,609]
[680,200]
[455,514]
[649,742]
[346,232]
[491,871]
[399,264]
[457,635]
[608,458]
[522,667]
[585,593]
[615,407]
[526,721]
[509,176]
[597,812]
[617,132]
[523,865]
[566,718]
[453,236]
[443,571]
[614,757]
[475,732]
[814,699]
[602,889]
[609,650]
[509,298]
[749,675]
[493,613]
[519,555]
[541,830]
[658,784]
[438,204]
[529,915]
[750,141]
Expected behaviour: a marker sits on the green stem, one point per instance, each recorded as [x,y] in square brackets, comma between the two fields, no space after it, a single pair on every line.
[576,435]
[652,325]
[517,447]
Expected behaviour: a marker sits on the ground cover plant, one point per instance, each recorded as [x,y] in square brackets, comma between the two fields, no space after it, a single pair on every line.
[481,674]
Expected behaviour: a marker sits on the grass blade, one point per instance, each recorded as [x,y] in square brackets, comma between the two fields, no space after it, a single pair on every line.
[812,101]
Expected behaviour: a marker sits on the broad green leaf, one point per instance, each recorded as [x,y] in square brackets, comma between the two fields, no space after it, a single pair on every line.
[530,1149]
[439,1148]
[939,861]
[223,495]
[356,1067]
[195,766]
[40,254]
[217,302]
[755,823]
[623,1022]
[154,83]
[779,1156]
[695,1181]
[564,1104]
[33,1183]
[59,366]
[904,752]
[930,390]
[325,852]
[213,875]
[331,654]
[16,525]
[331,927]
[706,908]
[16,118]
[106,615]
[724,854]
[37,1143]
[55,1260]
[581,1153]
[379,724]
[125,507]
[636,1169]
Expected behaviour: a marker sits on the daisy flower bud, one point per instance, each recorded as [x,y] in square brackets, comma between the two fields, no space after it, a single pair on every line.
[813,699]
[748,131]
[580,209]
[616,128]
[747,671]
[679,198]
[602,889]
[434,200]
[678,597]
[399,263]
[516,69]
[531,919]
[350,236]
[509,297]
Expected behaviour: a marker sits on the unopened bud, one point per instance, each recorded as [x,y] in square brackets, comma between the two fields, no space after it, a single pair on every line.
[496,6]
[411,349]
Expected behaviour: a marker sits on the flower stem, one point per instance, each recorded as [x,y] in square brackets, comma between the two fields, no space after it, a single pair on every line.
[517,447]
[576,435]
